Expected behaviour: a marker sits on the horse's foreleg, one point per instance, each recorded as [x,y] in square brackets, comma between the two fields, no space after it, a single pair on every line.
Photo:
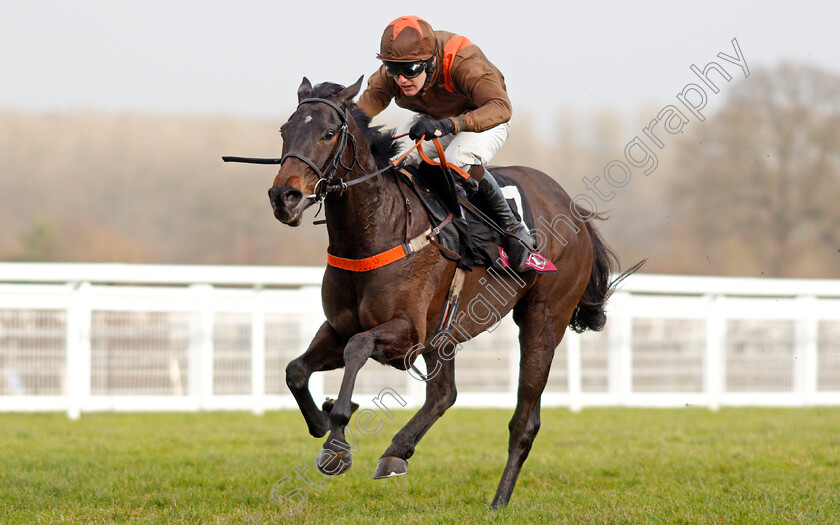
[537,341]
[325,352]
[440,395]
[394,335]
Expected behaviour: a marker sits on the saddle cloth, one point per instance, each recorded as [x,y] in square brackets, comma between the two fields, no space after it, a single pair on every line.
[478,243]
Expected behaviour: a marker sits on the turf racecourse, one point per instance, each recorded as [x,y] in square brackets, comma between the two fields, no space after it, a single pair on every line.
[598,466]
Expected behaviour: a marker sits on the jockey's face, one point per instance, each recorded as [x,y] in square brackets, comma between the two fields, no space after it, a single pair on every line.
[411,86]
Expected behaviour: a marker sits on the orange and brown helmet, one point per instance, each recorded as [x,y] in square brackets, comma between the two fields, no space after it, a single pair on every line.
[407,39]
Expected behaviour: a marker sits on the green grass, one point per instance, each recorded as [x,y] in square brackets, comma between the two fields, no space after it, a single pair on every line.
[599,466]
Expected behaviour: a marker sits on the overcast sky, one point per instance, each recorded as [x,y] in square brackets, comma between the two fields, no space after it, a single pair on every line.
[246,58]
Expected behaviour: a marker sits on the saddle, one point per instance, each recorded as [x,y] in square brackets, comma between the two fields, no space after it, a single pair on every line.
[471,235]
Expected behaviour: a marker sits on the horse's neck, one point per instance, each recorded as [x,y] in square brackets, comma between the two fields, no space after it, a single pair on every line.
[367,219]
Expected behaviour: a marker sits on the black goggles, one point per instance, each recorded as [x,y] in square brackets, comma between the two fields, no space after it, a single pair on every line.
[406,69]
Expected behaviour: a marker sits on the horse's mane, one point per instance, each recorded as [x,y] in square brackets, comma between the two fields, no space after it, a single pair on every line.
[381,142]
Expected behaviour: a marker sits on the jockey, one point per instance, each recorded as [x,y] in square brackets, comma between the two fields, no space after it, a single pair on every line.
[460,98]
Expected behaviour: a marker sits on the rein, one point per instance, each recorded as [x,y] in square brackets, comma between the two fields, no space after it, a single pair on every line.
[327,184]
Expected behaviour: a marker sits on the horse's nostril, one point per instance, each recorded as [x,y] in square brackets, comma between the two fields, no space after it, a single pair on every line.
[291,197]
[288,197]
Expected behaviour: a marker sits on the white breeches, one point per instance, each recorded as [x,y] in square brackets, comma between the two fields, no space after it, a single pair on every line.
[466,148]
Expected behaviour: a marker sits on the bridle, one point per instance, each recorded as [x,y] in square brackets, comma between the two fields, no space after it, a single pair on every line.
[327,182]
[330,182]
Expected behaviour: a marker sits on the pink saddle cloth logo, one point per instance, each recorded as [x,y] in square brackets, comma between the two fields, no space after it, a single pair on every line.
[536,262]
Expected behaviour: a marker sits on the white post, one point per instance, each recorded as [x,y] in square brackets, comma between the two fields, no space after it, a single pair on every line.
[77,368]
[805,352]
[621,348]
[311,305]
[714,365]
[71,365]
[201,347]
[258,353]
[85,346]
[573,371]
[510,333]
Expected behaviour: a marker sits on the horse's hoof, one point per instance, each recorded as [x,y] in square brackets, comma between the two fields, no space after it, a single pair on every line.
[333,463]
[390,466]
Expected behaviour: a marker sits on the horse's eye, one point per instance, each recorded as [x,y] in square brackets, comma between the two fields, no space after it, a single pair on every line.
[329,134]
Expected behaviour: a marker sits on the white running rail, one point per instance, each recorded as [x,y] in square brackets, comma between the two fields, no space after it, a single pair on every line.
[90,337]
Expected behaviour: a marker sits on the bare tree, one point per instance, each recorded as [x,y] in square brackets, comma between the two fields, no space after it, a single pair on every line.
[759,190]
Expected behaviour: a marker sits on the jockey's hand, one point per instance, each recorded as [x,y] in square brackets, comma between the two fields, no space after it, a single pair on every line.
[431,129]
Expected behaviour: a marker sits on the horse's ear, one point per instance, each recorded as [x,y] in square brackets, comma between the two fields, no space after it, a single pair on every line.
[346,95]
[305,89]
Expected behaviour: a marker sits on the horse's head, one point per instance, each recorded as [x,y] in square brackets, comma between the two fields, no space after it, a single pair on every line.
[314,140]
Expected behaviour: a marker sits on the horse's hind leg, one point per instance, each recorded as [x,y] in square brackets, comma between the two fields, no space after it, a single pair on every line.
[538,341]
[440,395]
[325,352]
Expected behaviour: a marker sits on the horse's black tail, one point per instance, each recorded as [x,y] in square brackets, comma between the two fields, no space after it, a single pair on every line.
[589,313]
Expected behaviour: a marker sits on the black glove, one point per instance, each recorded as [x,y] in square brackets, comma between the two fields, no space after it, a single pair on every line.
[431,128]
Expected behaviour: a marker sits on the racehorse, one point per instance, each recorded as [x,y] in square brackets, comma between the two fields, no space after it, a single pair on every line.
[332,156]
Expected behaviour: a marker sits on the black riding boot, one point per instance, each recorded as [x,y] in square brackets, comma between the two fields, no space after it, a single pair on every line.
[518,241]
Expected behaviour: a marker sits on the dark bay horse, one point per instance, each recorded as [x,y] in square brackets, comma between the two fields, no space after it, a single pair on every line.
[390,314]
